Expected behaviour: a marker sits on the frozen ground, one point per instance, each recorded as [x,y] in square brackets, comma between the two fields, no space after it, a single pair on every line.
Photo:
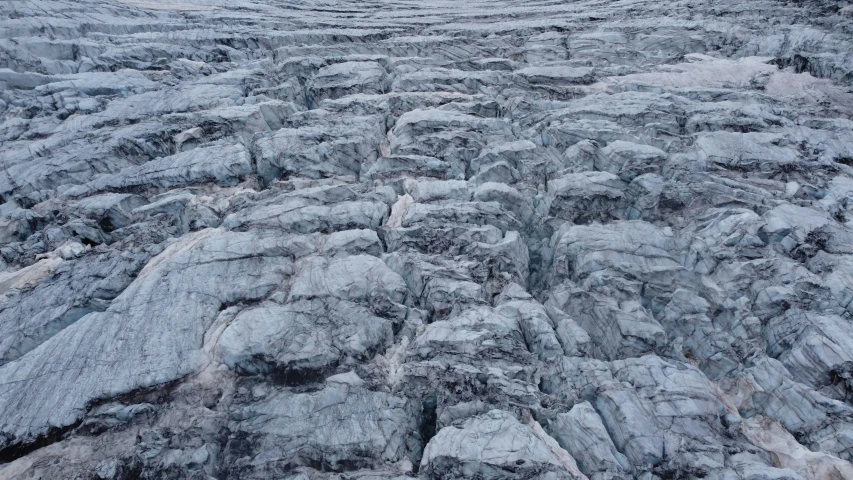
[426,239]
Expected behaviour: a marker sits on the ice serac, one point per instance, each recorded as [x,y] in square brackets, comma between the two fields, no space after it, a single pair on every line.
[153,332]
[426,240]
[497,445]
